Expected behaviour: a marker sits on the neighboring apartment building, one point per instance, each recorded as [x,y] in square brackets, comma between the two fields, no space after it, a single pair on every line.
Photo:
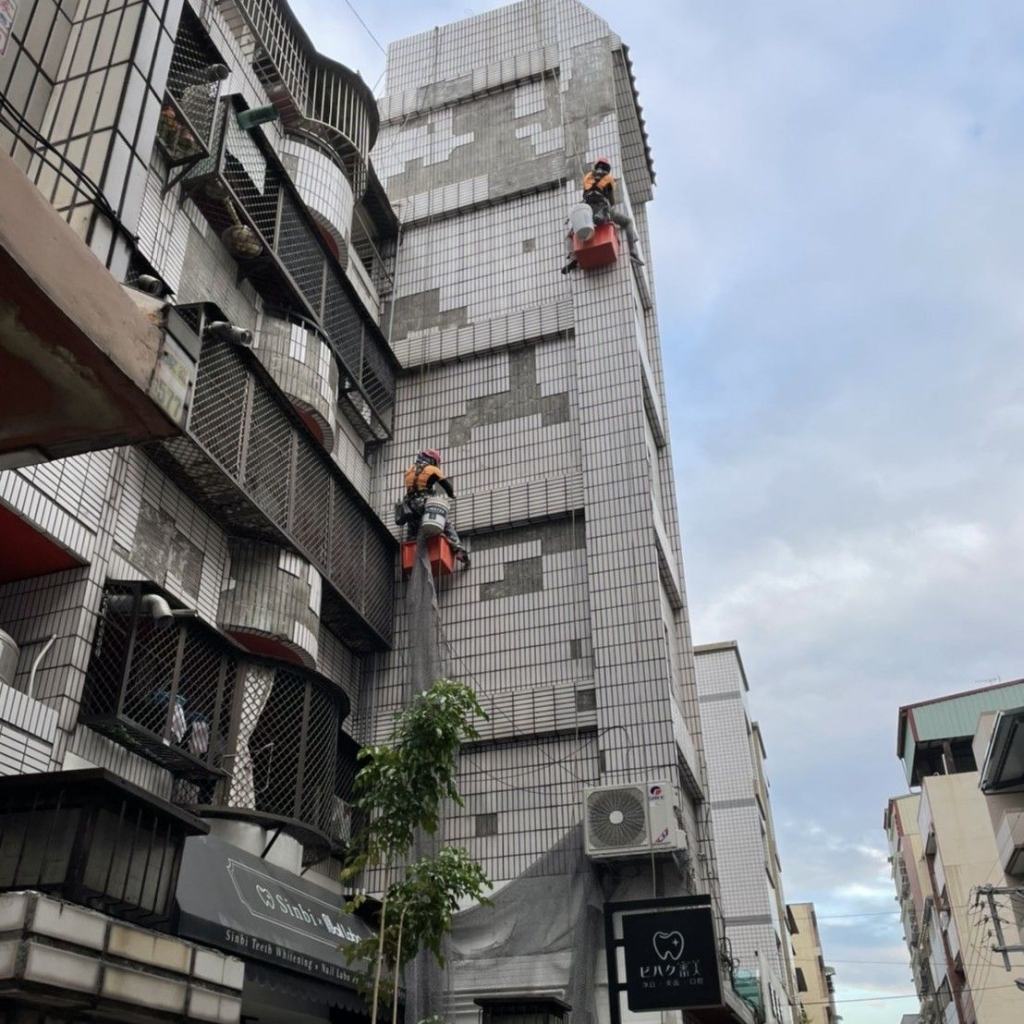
[815,988]
[957,852]
[750,871]
[200,630]
[187,623]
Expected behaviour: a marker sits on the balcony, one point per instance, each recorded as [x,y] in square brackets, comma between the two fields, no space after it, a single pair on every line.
[245,737]
[247,198]
[250,461]
[83,366]
[316,97]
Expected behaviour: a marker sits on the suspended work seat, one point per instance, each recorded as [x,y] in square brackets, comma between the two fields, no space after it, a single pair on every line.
[600,250]
[439,551]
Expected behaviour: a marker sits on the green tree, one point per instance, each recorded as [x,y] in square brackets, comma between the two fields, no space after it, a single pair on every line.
[401,787]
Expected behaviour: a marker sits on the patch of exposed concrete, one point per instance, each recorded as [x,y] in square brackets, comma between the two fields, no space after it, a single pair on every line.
[499,148]
[422,310]
[523,398]
[525,576]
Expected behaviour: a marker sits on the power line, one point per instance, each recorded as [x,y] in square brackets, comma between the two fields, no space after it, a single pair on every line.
[878,999]
[880,913]
[367,27]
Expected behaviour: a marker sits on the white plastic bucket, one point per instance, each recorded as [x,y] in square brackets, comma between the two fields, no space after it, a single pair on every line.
[581,221]
[435,515]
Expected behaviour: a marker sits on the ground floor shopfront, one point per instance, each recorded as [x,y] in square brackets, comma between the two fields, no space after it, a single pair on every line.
[116,906]
[287,931]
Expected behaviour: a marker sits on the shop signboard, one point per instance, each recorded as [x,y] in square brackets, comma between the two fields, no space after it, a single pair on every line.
[239,903]
[671,959]
[669,956]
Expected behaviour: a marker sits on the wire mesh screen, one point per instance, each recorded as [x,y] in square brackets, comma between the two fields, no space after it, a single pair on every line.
[268,458]
[193,86]
[219,405]
[253,182]
[299,252]
[312,505]
[344,328]
[156,685]
[285,756]
[378,604]
[346,554]
[320,782]
[240,423]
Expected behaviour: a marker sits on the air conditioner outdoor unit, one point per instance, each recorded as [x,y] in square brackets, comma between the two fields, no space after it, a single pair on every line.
[631,820]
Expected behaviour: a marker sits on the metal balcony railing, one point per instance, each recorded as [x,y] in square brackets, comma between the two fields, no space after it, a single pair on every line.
[247,458]
[316,96]
[244,736]
[193,86]
[245,195]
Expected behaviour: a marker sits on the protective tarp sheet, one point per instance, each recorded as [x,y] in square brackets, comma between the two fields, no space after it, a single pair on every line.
[545,928]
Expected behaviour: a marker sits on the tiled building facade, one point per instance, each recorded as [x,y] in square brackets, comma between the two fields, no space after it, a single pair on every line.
[750,871]
[545,394]
[216,616]
[191,618]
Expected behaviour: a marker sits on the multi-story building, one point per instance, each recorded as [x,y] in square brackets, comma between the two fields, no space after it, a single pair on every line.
[750,870]
[815,987]
[545,393]
[200,629]
[957,853]
[188,622]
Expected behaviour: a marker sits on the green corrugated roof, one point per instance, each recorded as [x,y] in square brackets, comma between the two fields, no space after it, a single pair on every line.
[953,717]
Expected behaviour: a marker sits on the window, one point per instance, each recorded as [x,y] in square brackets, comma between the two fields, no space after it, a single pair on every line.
[486,825]
[801,981]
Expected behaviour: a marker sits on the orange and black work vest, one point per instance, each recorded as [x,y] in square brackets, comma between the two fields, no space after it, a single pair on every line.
[415,482]
[605,185]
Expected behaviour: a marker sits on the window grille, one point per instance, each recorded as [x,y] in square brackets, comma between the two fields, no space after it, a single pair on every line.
[242,734]
[252,465]
[93,839]
[185,129]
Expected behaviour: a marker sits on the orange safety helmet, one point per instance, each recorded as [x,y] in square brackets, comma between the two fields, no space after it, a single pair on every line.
[430,455]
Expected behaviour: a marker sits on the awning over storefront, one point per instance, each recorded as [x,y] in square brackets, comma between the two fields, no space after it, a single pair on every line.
[260,912]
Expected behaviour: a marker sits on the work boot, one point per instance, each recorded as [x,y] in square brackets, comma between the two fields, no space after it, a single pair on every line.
[462,555]
[570,266]
[635,257]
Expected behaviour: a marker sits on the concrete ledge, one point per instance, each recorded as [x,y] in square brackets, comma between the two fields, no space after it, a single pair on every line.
[76,354]
[73,956]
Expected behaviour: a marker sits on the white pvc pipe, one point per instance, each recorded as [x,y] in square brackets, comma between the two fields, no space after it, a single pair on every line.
[31,689]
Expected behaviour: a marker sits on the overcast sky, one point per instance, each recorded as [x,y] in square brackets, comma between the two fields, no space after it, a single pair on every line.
[837,234]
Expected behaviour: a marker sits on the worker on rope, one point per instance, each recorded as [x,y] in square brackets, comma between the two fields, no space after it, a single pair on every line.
[420,479]
[599,195]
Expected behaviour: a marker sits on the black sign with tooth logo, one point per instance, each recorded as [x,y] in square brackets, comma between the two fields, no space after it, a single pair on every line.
[671,959]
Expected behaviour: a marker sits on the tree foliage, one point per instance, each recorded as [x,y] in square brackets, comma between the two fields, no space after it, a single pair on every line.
[401,787]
